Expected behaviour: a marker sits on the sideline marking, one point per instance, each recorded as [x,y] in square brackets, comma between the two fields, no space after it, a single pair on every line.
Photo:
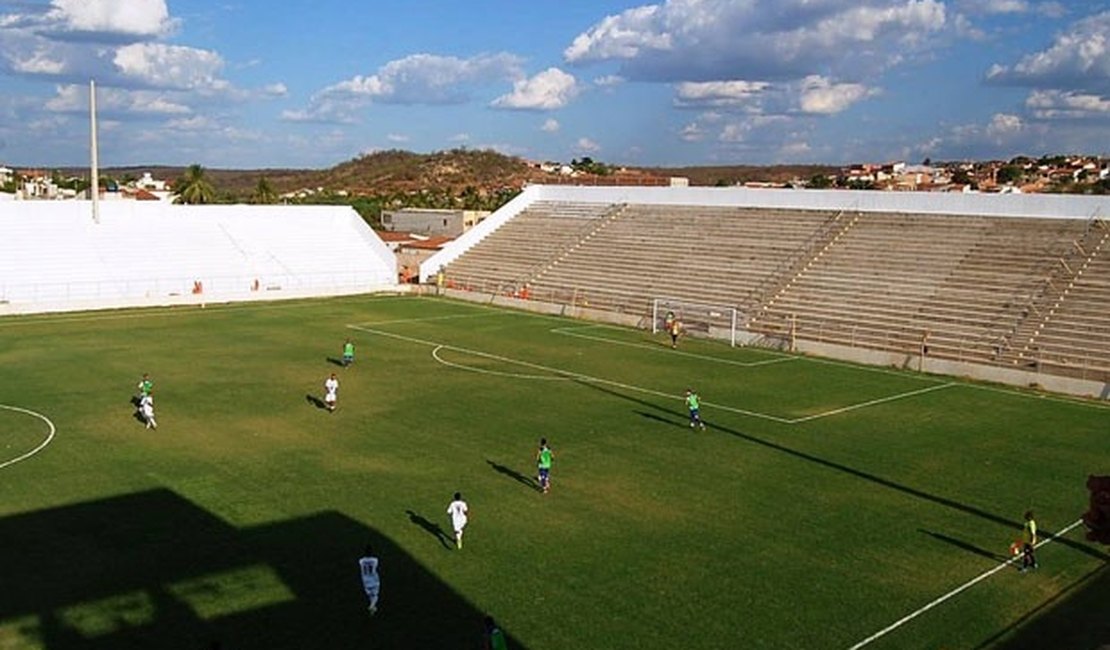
[967,585]
[569,331]
[881,400]
[598,380]
[36,449]
[517,375]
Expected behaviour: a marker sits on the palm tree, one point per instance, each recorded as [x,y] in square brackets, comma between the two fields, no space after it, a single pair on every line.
[264,192]
[194,188]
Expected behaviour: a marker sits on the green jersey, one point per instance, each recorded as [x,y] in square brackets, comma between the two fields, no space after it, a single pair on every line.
[349,349]
[1029,532]
[692,401]
[545,458]
[145,386]
[497,639]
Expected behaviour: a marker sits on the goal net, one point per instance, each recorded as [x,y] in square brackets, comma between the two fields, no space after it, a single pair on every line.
[697,318]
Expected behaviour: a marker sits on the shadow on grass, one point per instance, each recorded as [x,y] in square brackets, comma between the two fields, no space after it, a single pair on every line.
[335,362]
[154,570]
[1073,618]
[967,546]
[432,528]
[663,420]
[867,476]
[513,474]
[316,401]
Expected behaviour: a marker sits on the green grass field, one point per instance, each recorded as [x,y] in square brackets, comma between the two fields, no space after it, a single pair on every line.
[824,503]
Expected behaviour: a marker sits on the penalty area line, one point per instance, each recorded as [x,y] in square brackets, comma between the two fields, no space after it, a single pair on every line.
[965,586]
[563,373]
[41,446]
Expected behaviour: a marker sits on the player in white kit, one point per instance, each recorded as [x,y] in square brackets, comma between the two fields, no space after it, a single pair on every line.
[371,581]
[458,511]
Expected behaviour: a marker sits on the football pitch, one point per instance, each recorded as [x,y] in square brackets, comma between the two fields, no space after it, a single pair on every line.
[826,505]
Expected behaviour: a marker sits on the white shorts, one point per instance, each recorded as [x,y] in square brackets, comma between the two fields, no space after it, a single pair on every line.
[330,398]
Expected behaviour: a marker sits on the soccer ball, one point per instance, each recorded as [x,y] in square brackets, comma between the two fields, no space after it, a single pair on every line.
[1015,549]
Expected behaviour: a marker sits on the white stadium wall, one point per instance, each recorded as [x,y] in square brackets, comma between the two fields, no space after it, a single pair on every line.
[54,257]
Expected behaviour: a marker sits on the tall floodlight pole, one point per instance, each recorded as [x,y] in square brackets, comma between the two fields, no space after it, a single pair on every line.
[95,190]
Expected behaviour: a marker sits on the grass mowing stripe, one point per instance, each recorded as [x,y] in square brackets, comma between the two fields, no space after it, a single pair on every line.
[965,586]
[41,446]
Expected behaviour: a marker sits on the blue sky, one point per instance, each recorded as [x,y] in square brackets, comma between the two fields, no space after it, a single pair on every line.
[255,84]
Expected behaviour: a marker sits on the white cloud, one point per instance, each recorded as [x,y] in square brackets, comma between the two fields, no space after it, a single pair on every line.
[719,93]
[548,90]
[75,99]
[550,125]
[586,145]
[41,62]
[170,66]
[459,137]
[112,19]
[1055,104]
[1003,125]
[692,132]
[414,79]
[1049,9]
[275,90]
[702,40]
[821,96]
[1078,59]
[609,80]
[397,137]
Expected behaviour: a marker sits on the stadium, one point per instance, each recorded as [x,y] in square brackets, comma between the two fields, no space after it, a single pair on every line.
[889,380]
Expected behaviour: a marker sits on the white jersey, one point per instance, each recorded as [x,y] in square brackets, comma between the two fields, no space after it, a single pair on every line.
[458,511]
[331,386]
[146,405]
[368,567]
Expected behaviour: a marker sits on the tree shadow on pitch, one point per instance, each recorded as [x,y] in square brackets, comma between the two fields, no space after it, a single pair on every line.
[867,476]
[513,474]
[432,528]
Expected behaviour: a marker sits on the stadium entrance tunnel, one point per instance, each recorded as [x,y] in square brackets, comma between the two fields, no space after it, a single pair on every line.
[154,570]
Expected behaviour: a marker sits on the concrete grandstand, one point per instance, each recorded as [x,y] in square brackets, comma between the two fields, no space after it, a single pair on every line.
[1012,288]
[54,257]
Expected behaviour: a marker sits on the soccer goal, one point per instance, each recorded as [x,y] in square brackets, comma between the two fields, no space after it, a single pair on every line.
[698,319]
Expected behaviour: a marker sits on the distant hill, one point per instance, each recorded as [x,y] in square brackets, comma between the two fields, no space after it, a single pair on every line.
[397,172]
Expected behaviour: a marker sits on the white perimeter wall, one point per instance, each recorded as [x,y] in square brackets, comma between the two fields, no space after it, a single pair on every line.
[1052,206]
[54,257]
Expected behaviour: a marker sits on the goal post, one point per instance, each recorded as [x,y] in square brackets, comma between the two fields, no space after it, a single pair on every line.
[697,318]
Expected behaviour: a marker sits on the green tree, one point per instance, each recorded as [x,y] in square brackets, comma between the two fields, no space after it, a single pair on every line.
[263,192]
[820,182]
[1008,174]
[194,188]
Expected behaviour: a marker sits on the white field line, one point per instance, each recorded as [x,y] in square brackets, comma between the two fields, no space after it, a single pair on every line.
[41,446]
[967,585]
[881,400]
[569,331]
[639,389]
[517,375]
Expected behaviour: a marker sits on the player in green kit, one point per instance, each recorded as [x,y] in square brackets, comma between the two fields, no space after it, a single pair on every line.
[145,385]
[543,462]
[694,405]
[348,353]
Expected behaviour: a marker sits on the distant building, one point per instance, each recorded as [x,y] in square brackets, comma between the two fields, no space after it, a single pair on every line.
[443,223]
